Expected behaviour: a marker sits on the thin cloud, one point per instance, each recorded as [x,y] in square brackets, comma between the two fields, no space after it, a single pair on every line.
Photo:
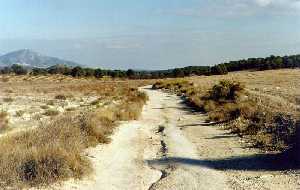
[292,4]
[237,8]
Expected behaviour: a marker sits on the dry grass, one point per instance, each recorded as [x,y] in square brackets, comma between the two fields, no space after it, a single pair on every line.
[29,159]
[54,151]
[275,86]
[262,106]
[67,86]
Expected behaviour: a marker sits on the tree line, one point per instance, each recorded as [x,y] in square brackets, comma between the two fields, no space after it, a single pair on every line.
[271,62]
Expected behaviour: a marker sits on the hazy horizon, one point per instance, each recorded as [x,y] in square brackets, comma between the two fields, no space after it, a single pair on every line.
[151,35]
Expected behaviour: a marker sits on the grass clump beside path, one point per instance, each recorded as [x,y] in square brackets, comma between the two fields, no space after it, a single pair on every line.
[43,155]
[230,103]
[54,151]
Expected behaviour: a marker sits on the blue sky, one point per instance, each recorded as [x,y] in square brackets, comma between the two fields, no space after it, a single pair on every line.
[156,34]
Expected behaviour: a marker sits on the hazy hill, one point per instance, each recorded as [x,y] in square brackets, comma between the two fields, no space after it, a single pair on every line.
[29,58]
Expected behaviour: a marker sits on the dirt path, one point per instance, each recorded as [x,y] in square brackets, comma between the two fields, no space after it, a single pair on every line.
[172,148]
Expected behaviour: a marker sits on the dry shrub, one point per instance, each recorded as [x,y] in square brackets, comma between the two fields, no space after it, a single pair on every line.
[28,159]
[129,111]
[295,150]
[131,108]
[267,128]
[3,121]
[50,102]
[51,112]
[8,99]
[96,127]
[221,101]
[158,85]
[224,113]
[5,79]
[44,107]
[176,85]
[271,131]
[60,97]
[95,102]
[226,90]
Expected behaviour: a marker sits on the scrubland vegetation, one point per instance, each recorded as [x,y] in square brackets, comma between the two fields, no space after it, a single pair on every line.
[255,105]
[53,150]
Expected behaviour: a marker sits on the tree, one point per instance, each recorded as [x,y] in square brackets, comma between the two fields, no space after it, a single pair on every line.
[38,71]
[59,69]
[6,70]
[88,72]
[178,72]
[98,73]
[18,69]
[77,72]
[130,73]
[219,69]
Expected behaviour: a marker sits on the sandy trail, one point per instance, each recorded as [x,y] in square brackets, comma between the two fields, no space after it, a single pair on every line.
[164,149]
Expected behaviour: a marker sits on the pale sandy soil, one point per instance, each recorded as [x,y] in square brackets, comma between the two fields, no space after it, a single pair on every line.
[171,147]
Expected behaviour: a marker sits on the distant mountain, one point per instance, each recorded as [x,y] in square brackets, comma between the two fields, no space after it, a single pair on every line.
[29,58]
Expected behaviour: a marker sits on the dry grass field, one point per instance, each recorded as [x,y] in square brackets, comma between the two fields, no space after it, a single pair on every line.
[279,86]
[47,122]
[262,105]
[31,99]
